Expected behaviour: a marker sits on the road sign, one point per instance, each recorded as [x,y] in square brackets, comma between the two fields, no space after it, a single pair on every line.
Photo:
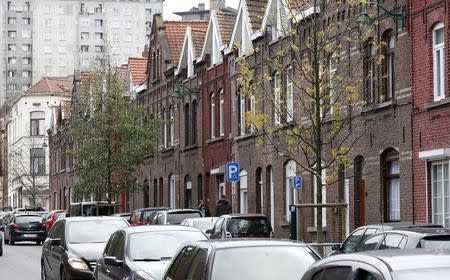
[298,182]
[232,171]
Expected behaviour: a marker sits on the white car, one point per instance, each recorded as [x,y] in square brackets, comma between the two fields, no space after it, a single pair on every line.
[203,224]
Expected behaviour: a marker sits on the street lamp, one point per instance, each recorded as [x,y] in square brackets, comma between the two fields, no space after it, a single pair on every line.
[186,90]
[397,14]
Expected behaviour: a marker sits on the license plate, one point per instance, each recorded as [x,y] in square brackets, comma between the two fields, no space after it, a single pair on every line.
[30,235]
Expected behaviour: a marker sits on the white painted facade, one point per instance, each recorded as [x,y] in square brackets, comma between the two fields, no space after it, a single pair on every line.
[20,143]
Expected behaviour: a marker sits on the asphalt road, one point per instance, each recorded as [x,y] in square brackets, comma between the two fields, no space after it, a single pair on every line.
[20,262]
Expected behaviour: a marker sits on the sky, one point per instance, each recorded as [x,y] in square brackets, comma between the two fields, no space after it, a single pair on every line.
[171,6]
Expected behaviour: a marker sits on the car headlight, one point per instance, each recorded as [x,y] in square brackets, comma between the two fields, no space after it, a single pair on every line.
[142,275]
[78,264]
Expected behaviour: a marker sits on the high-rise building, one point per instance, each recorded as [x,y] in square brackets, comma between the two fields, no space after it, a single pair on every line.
[56,37]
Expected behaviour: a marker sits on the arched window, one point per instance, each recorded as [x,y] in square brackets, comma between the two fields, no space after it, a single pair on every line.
[37,123]
[290,170]
[438,61]
[391,176]
[172,192]
[243,192]
[369,70]
[359,196]
[389,41]
[187,192]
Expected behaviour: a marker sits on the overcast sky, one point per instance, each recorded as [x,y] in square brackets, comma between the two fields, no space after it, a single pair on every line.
[171,6]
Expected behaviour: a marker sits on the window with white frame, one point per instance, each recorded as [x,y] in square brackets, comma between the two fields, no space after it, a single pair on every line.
[243,192]
[173,192]
[277,97]
[242,121]
[37,123]
[221,112]
[333,72]
[290,171]
[164,117]
[440,193]
[324,198]
[37,161]
[289,94]
[389,49]
[213,116]
[438,61]
[172,125]
[392,189]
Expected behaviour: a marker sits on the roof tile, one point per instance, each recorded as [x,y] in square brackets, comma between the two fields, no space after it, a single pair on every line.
[226,24]
[138,68]
[256,10]
[175,31]
[61,85]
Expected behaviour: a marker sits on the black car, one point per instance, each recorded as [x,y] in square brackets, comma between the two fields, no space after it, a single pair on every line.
[142,252]
[362,233]
[241,260]
[242,226]
[75,244]
[1,245]
[413,264]
[175,216]
[408,238]
[25,227]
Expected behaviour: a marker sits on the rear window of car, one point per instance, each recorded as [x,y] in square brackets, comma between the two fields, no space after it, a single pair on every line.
[435,242]
[249,227]
[145,214]
[28,219]
[57,214]
[177,218]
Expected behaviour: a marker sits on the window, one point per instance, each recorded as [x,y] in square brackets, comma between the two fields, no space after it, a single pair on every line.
[164,117]
[61,10]
[37,123]
[11,6]
[213,116]
[116,37]
[12,47]
[62,49]
[84,22]
[12,86]
[37,160]
[11,20]
[26,74]
[194,122]
[391,173]
[26,21]
[116,11]
[333,65]
[84,35]
[334,273]
[198,267]
[48,49]
[48,22]
[99,36]
[370,243]
[12,73]
[25,87]
[12,34]
[26,33]
[173,192]
[243,192]
[48,36]
[221,112]
[324,197]
[26,60]
[353,240]
[246,105]
[12,60]
[187,130]
[171,126]
[26,7]
[438,61]
[277,97]
[290,171]
[98,49]
[99,9]
[388,64]
[26,48]
[440,193]
[148,12]
[289,94]
[369,69]
[99,22]
[62,23]
[393,241]
[84,48]
[63,61]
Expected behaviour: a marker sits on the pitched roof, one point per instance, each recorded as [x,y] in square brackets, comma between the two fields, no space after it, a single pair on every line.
[122,72]
[52,85]
[226,24]
[198,38]
[175,31]
[138,68]
[256,10]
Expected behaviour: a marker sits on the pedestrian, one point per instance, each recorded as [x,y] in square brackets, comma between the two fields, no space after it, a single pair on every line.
[202,207]
[223,206]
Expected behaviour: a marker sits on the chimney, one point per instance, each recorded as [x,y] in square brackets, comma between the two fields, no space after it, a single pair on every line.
[201,6]
[216,5]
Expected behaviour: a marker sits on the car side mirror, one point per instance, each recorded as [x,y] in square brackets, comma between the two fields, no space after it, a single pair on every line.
[228,235]
[336,247]
[208,231]
[113,261]
[56,242]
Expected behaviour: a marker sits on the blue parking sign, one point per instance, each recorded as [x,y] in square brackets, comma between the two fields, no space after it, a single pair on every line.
[298,182]
[232,171]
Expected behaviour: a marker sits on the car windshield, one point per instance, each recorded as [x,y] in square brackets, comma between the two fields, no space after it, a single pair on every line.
[93,231]
[204,224]
[420,274]
[249,227]
[177,218]
[155,246]
[436,242]
[28,219]
[252,262]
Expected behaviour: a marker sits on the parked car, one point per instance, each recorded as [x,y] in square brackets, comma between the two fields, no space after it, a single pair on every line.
[75,244]
[25,227]
[93,208]
[1,245]
[409,238]
[142,252]
[5,220]
[126,215]
[175,217]
[43,214]
[139,216]
[242,226]
[204,224]
[413,264]
[28,209]
[51,218]
[241,259]
[362,233]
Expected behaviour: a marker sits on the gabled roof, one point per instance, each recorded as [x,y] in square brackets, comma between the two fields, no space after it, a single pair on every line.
[192,45]
[137,67]
[175,30]
[220,26]
[256,10]
[226,24]
[122,72]
[52,85]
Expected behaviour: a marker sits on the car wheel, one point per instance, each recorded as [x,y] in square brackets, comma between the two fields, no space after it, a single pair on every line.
[43,272]
[1,250]
[63,274]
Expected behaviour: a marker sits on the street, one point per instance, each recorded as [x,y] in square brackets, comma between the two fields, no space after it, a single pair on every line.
[20,262]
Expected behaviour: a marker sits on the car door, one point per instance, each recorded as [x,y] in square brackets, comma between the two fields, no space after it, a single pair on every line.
[59,252]
[353,240]
[180,268]
[55,252]
[46,253]
[102,270]
[118,251]
[198,269]
[217,229]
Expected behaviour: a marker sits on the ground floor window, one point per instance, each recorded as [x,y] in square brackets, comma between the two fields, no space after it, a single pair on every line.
[440,194]
[220,185]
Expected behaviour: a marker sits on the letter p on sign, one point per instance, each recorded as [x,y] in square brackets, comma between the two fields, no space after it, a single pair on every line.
[232,171]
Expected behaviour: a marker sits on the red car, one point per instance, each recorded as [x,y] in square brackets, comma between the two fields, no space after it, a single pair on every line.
[139,217]
[52,217]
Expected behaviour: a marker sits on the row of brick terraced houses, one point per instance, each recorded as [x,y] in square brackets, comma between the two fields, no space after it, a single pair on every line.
[400,169]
